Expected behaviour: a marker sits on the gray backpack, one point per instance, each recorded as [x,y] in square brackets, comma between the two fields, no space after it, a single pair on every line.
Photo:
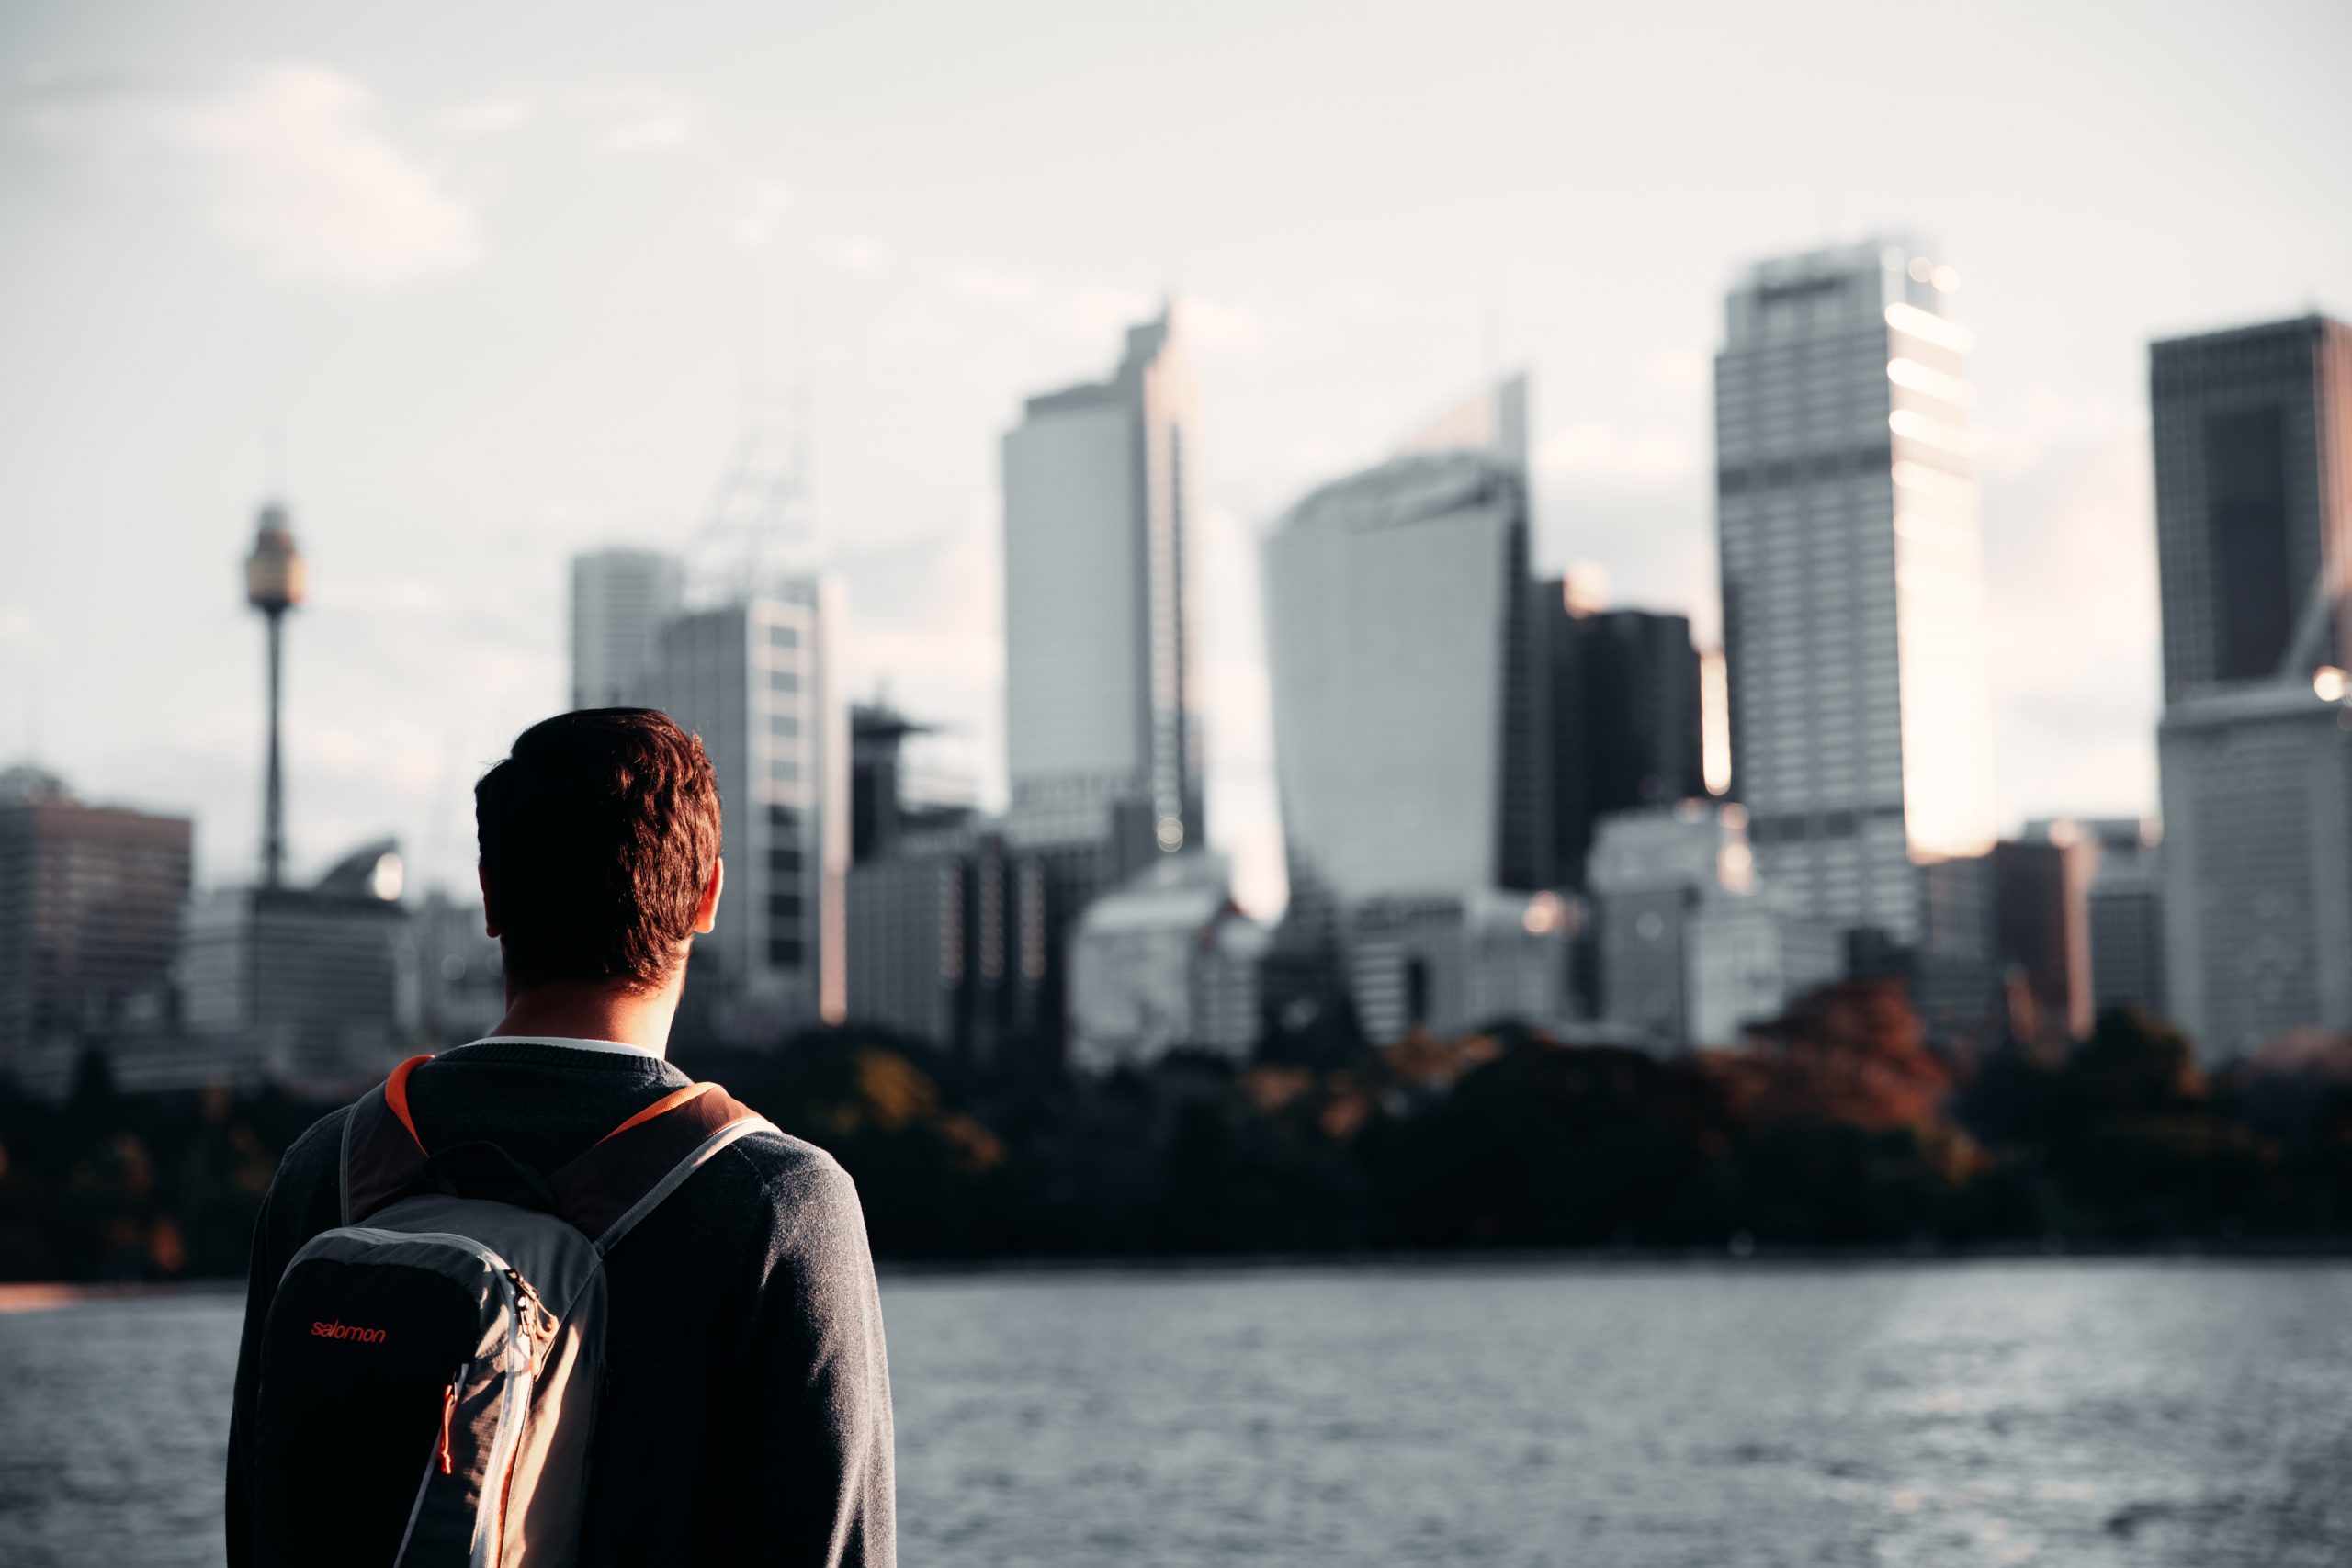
[430,1368]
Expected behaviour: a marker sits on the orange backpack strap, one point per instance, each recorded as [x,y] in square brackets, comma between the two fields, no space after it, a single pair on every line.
[382,1151]
[632,1169]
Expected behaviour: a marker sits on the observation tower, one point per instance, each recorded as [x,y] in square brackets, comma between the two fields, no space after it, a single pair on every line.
[274,585]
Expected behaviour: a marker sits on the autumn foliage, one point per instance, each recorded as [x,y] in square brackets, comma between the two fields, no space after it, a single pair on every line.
[1839,1125]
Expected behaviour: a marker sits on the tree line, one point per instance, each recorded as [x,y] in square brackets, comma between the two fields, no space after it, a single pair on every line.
[1837,1125]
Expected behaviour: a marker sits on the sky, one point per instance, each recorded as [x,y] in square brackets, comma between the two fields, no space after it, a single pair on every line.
[480,286]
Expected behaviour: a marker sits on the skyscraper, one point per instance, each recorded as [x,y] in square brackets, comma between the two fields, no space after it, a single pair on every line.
[1102,732]
[2252,446]
[756,678]
[1623,704]
[2253,433]
[1846,509]
[620,601]
[1406,689]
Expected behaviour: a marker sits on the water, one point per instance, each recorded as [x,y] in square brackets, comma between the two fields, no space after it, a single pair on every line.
[2066,1412]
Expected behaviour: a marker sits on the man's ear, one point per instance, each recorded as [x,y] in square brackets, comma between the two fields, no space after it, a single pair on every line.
[488,910]
[707,912]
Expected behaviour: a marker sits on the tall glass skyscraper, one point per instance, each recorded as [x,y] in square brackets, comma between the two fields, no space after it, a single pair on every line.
[1406,698]
[2252,431]
[1852,590]
[2252,435]
[1102,734]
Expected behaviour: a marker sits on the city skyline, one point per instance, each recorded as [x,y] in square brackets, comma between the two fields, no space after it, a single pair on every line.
[492,375]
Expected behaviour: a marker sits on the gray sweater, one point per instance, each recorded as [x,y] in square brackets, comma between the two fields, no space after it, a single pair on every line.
[747,1402]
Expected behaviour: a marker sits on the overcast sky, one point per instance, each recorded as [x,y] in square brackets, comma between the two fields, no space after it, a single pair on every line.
[499,274]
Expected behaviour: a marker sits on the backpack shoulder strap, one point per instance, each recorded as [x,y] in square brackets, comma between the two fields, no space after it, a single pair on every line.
[629,1171]
[382,1150]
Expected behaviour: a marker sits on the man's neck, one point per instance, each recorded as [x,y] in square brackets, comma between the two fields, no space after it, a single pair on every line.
[577,1010]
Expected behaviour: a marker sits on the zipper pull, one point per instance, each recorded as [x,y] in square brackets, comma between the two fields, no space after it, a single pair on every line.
[538,1324]
[448,1410]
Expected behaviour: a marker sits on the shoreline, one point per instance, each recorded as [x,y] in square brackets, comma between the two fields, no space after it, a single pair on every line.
[46,1295]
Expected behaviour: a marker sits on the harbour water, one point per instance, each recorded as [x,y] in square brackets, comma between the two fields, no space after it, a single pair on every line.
[2052,1412]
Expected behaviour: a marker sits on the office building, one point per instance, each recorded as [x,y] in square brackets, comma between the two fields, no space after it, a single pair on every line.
[1691,952]
[1651,870]
[1747,960]
[1622,696]
[888,799]
[2125,916]
[2042,919]
[1953,972]
[1852,594]
[1164,960]
[2251,433]
[2258,860]
[1102,733]
[460,969]
[620,601]
[1410,748]
[1449,965]
[2253,437]
[91,900]
[950,941]
[755,679]
[315,987]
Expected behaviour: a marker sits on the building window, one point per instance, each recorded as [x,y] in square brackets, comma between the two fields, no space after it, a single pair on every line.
[784,952]
[784,860]
[783,637]
[784,906]
[783,680]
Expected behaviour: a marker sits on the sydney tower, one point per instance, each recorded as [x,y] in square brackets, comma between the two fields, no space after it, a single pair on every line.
[272,586]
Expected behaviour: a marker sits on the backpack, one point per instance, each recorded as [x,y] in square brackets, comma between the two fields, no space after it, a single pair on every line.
[430,1368]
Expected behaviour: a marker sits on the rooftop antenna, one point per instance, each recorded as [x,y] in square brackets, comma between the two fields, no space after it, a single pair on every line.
[754,530]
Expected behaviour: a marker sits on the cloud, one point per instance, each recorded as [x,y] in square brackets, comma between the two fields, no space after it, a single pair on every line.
[485,116]
[856,254]
[289,165]
[991,286]
[640,121]
[1600,450]
[765,211]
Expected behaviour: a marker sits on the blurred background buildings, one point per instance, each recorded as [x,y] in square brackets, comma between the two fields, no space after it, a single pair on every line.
[1503,798]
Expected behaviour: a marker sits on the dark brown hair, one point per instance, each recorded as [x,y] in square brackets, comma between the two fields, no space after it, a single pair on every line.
[597,836]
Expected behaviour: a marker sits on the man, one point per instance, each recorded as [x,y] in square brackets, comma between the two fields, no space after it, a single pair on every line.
[769,1441]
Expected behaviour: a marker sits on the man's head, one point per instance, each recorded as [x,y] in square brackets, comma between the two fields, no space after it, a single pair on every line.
[599,844]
